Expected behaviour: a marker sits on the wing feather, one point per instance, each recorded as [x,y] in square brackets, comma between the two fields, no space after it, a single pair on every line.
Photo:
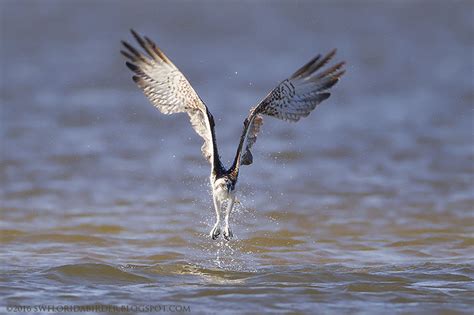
[168,89]
[291,100]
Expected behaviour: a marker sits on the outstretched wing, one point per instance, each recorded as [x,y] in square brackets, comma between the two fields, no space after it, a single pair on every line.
[292,99]
[168,90]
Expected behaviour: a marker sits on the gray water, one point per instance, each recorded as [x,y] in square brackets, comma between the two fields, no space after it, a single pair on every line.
[363,207]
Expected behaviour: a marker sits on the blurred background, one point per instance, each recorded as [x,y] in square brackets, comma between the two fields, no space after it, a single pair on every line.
[367,203]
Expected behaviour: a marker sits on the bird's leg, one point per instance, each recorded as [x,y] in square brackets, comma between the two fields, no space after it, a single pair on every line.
[216,230]
[227,231]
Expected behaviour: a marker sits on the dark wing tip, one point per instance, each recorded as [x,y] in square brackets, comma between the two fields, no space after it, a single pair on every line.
[328,57]
[136,79]
[127,55]
[329,84]
[303,69]
[139,81]
[325,60]
[149,41]
[140,40]
[340,73]
[133,67]
[313,65]
[323,96]
[137,37]
[137,55]
[156,51]
[129,47]
[332,52]
[334,71]
[135,34]
[342,70]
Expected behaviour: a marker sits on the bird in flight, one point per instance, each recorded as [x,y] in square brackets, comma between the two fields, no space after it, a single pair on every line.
[170,92]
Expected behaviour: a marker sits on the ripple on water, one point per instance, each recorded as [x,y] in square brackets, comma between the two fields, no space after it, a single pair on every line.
[92,228]
[90,273]
[48,238]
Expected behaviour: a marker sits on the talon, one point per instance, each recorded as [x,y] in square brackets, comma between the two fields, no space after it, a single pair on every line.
[228,233]
[215,232]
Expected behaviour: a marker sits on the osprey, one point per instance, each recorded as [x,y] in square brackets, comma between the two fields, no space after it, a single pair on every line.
[170,92]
